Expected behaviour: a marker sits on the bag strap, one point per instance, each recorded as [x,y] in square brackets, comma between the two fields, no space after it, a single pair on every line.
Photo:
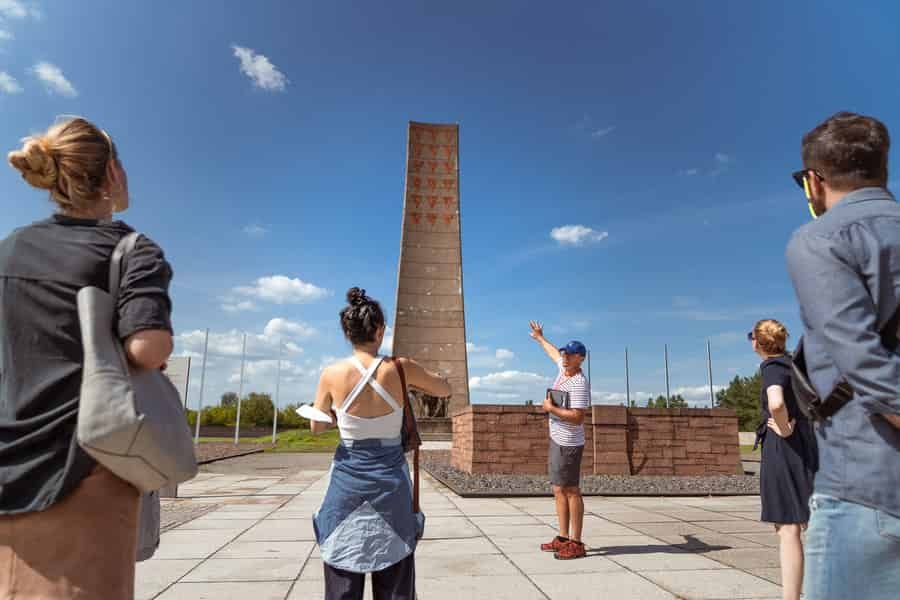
[407,414]
[123,248]
[890,333]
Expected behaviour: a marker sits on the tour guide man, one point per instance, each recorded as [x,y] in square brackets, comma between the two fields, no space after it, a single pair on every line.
[566,444]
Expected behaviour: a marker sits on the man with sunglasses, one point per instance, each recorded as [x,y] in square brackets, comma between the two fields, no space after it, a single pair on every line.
[845,267]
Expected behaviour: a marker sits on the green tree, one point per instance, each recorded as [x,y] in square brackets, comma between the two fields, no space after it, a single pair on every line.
[289,419]
[257,409]
[676,401]
[219,415]
[742,395]
[229,399]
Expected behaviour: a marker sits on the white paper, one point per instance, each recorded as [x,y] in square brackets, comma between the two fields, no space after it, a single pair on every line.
[308,411]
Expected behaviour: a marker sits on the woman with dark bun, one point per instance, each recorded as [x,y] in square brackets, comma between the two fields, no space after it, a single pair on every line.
[366,523]
[68,527]
[789,455]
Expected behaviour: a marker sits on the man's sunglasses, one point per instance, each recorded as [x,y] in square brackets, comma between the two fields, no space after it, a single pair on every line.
[800,176]
[750,336]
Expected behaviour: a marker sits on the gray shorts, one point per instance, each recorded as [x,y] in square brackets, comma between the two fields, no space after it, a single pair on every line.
[565,465]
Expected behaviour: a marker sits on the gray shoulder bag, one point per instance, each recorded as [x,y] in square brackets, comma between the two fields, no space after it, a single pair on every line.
[130,421]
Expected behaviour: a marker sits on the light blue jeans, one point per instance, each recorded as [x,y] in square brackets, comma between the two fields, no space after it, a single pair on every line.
[852,551]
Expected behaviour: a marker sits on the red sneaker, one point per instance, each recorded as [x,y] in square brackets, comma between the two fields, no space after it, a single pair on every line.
[570,550]
[556,545]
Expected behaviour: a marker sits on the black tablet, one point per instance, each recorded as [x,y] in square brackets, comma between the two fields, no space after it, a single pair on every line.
[559,398]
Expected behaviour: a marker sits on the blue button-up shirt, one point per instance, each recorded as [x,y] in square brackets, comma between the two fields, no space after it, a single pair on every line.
[845,267]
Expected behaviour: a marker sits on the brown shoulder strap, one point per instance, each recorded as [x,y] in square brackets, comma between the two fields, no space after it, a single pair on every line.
[407,414]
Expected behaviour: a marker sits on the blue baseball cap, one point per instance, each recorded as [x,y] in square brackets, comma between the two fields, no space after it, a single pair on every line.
[574,347]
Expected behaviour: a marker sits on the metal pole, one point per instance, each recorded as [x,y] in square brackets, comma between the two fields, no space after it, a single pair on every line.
[277,389]
[237,424]
[627,381]
[202,382]
[589,364]
[667,374]
[712,396]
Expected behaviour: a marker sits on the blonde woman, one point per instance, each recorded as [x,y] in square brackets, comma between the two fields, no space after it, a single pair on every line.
[788,453]
[68,527]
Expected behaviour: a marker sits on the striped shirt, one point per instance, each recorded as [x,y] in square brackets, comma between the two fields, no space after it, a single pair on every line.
[579,388]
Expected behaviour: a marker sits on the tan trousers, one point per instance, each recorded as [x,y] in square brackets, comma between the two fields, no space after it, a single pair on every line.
[82,547]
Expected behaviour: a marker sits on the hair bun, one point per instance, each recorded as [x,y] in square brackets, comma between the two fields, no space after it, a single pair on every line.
[356,296]
[36,163]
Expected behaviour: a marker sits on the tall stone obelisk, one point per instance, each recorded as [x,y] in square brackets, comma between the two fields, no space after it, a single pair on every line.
[430,324]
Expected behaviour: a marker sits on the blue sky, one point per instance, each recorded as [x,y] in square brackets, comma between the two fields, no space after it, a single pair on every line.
[265,146]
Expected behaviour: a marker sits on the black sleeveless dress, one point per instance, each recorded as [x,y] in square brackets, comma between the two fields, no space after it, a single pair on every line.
[788,464]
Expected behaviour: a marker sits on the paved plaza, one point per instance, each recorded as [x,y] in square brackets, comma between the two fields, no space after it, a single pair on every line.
[257,544]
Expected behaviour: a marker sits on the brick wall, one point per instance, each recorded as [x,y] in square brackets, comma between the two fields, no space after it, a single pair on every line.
[618,440]
[507,439]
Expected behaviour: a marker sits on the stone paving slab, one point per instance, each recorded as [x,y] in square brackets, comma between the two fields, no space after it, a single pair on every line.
[266,590]
[709,585]
[620,586]
[245,569]
[296,551]
[258,546]
[509,587]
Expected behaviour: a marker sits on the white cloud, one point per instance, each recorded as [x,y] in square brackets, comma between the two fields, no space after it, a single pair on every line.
[510,385]
[284,329]
[577,235]
[5,36]
[8,84]
[695,395]
[241,306]
[15,9]
[387,344]
[256,370]
[280,289]
[54,80]
[260,70]
[722,158]
[619,397]
[229,344]
[255,230]
[605,131]
[504,354]
[689,172]
[482,357]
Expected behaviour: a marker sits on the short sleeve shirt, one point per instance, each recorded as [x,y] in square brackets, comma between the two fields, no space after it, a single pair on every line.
[562,432]
[42,267]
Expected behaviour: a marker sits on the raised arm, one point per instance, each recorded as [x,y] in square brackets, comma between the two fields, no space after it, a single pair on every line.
[420,378]
[537,333]
[323,402]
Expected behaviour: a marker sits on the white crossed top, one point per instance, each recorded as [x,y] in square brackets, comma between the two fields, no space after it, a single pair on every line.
[361,428]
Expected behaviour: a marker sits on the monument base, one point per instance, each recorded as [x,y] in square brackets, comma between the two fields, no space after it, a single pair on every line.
[619,441]
[435,429]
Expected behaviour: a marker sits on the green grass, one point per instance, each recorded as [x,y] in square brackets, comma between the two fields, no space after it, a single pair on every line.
[749,450]
[294,440]
[298,440]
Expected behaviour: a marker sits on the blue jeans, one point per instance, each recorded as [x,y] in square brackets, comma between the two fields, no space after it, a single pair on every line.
[852,551]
